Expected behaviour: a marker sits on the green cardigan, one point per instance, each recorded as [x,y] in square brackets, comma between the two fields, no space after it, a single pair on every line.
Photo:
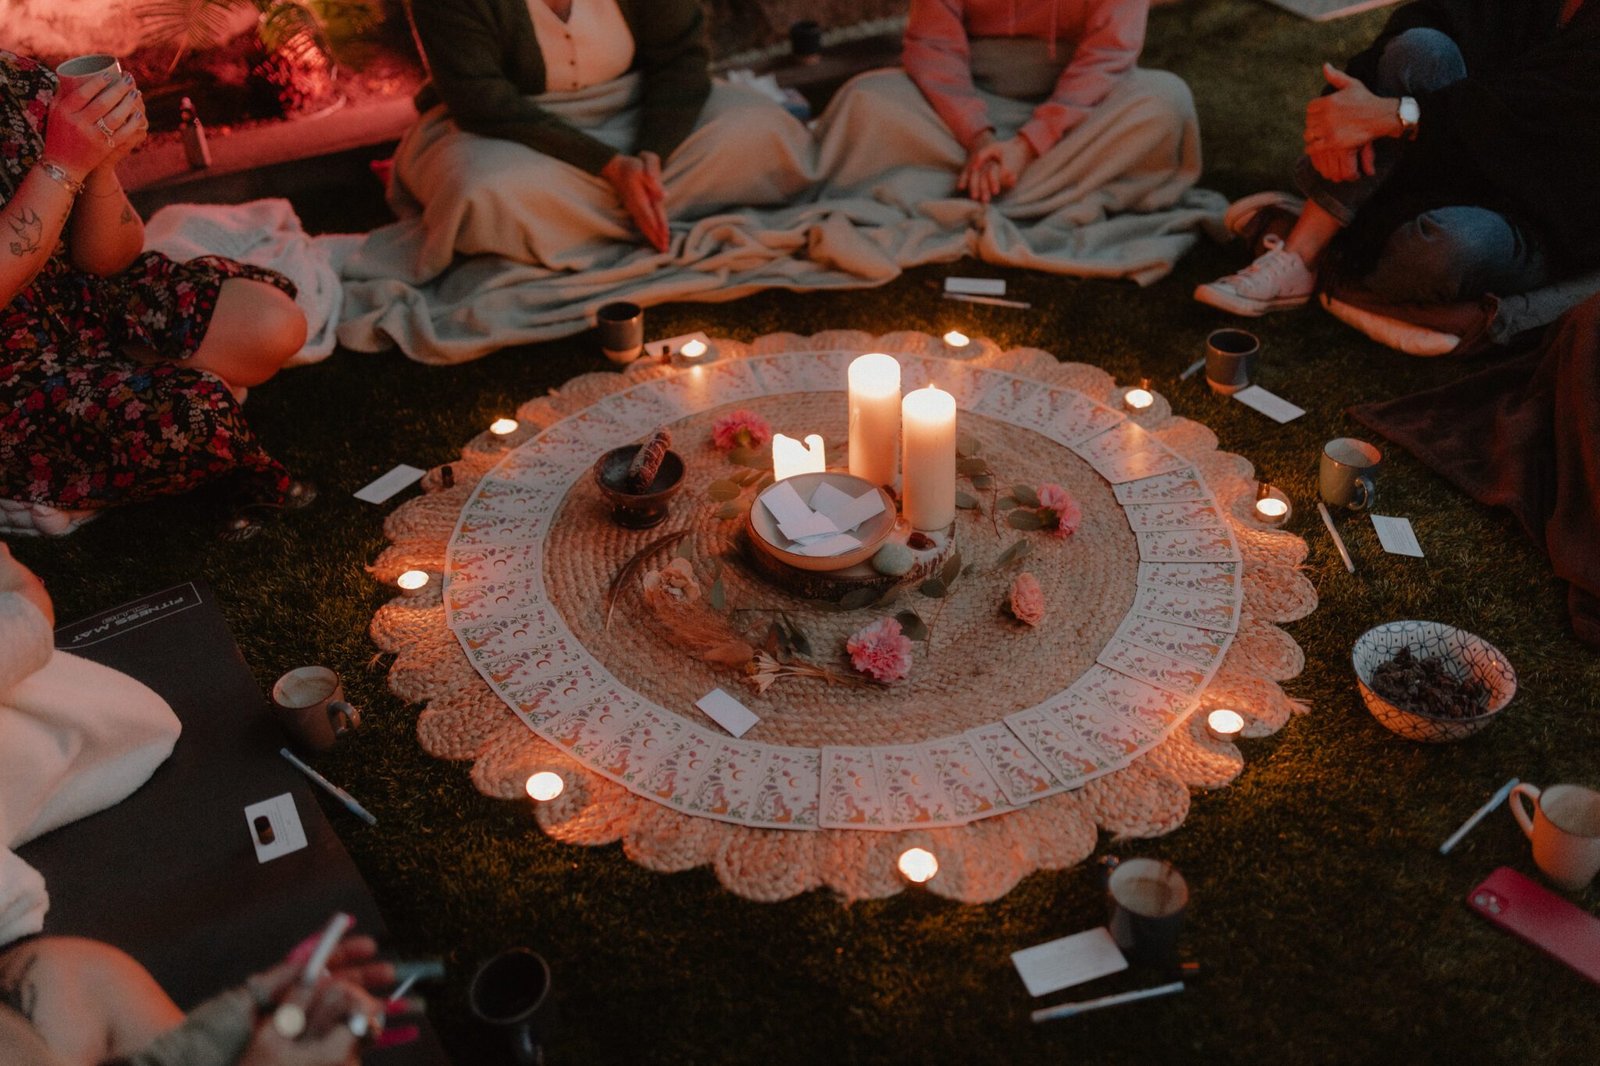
[484,63]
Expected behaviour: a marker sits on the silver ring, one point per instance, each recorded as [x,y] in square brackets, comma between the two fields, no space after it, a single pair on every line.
[105,131]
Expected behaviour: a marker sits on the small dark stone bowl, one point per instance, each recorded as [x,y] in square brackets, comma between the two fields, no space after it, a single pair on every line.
[637,510]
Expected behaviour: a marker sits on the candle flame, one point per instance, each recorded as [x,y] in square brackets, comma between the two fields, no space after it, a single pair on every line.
[412,580]
[693,349]
[956,339]
[502,426]
[1272,507]
[1138,399]
[918,865]
[545,786]
[1225,724]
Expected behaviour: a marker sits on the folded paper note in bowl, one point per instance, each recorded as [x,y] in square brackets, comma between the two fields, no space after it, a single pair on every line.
[822,521]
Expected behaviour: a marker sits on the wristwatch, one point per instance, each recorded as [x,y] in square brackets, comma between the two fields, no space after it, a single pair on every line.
[1410,115]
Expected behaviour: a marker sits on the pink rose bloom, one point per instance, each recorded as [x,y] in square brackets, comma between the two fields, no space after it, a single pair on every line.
[740,429]
[1027,599]
[1059,509]
[881,650]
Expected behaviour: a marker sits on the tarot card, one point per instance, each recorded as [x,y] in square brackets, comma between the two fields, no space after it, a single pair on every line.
[1018,772]
[1201,647]
[1209,579]
[538,697]
[851,797]
[479,527]
[1176,486]
[967,384]
[732,782]
[495,496]
[1058,745]
[1113,736]
[912,794]
[1208,544]
[487,641]
[1007,397]
[553,655]
[1066,416]
[1188,608]
[1158,668]
[732,381]
[586,726]
[1128,452]
[791,784]
[651,734]
[1153,709]
[966,781]
[493,599]
[1154,517]
[673,777]
[470,565]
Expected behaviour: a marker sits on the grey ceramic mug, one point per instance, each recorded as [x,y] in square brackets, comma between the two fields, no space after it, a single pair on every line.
[620,325]
[1230,356]
[1345,473]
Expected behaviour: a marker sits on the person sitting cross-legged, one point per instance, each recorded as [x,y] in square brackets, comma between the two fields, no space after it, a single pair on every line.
[1453,158]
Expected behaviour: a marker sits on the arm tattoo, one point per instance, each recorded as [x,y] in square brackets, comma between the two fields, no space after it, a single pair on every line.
[26,227]
[17,989]
[127,214]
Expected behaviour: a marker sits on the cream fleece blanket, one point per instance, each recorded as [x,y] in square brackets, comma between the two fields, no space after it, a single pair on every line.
[756,202]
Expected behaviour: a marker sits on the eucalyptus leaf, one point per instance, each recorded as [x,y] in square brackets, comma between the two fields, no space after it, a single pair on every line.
[983,481]
[1024,519]
[858,598]
[912,624]
[718,595]
[729,510]
[951,569]
[971,466]
[1006,503]
[966,501]
[967,444]
[1025,495]
[933,588]
[723,490]
[755,458]
[1018,550]
[797,636]
[685,550]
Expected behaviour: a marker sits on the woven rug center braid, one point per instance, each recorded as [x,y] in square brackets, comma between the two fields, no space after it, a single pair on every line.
[981,665]
[1007,749]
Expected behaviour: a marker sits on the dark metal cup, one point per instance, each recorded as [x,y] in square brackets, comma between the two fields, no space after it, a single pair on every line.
[1230,354]
[511,992]
[1147,899]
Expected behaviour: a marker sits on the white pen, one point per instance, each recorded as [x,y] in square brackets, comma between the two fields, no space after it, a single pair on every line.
[1192,369]
[1338,541]
[1069,1010]
[337,927]
[993,301]
[1477,816]
[332,789]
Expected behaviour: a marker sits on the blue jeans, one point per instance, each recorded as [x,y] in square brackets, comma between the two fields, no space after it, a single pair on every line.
[1448,253]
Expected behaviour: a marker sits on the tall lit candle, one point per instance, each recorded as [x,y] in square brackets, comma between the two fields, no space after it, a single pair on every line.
[875,418]
[790,457]
[928,493]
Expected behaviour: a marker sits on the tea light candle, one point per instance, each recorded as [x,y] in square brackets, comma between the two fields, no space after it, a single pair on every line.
[956,339]
[874,418]
[928,422]
[1272,506]
[918,865]
[501,427]
[1224,724]
[693,349]
[790,457]
[1140,398]
[412,580]
[545,786]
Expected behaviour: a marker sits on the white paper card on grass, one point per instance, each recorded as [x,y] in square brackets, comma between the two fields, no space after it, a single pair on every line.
[976,286]
[727,712]
[1072,960]
[287,833]
[1270,404]
[389,484]
[1397,536]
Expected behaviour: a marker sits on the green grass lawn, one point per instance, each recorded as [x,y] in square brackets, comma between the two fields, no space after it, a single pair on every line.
[1330,928]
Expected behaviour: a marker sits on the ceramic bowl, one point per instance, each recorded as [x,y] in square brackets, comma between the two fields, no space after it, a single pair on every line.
[1466,656]
[637,510]
[763,528]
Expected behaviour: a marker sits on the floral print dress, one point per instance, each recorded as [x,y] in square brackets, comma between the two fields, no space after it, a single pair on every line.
[84,425]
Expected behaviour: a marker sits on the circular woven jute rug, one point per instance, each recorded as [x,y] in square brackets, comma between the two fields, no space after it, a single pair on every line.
[1005,749]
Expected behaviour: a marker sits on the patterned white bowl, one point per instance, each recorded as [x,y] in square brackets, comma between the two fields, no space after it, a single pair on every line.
[1466,656]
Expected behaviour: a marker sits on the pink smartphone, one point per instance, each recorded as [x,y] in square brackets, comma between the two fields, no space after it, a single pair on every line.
[1542,918]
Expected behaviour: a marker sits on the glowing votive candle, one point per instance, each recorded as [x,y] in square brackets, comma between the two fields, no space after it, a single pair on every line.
[874,418]
[545,785]
[918,865]
[790,457]
[1224,724]
[502,426]
[412,580]
[928,423]
[1272,507]
[693,349]
[956,339]
[1139,398]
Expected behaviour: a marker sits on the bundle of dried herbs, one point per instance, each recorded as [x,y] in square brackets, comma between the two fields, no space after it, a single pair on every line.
[1426,686]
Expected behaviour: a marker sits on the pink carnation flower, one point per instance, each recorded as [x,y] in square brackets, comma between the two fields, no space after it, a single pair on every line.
[1059,509]
[1027,599]
[740,429]
[881,650]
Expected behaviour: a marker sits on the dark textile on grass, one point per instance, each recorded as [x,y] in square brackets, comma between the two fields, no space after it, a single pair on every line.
[1519,135]
[1524,433]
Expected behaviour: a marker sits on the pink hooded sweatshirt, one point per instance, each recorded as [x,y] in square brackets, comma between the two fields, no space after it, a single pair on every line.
[1102,37]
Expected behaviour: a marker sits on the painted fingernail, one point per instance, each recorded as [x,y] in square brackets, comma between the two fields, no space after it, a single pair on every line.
[127,79]
[400,1034]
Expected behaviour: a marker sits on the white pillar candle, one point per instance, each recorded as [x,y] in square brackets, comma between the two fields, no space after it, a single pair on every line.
[790,457]
[928,493]
[875,418]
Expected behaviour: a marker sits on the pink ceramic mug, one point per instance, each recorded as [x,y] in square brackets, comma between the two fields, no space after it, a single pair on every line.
[1565,830]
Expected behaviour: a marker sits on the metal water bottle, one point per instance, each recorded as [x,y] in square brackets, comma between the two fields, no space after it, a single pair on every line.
[195,147]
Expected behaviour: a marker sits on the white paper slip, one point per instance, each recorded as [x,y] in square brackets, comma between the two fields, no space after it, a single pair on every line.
[846,511]
[785,505]
[976,286]
[1270,404]
[282,824]
[727,712]
[1072,960]
[673,345]
[827,547]
[1397,536]
[389,484]
[809,528]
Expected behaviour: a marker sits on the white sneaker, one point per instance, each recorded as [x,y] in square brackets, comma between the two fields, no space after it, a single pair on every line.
[1276,281]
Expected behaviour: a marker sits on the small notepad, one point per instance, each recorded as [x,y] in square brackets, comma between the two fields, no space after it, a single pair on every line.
[389,484]
[1072,960]
[1270,404]
[1397,536]
[727,712]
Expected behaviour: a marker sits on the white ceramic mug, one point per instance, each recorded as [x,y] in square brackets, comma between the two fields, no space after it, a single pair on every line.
[1346,471]
[82,68]
[1565,830]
